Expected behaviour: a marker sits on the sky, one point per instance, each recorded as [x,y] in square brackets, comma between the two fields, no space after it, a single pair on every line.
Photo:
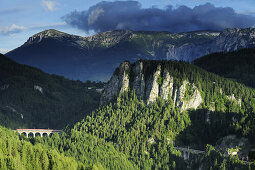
[20,19]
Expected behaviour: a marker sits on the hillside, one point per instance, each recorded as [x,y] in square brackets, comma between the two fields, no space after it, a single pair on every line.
[150,113]
[17,152]
[154,108]
[238,65]
[95,57]
[30,98]
[185,105]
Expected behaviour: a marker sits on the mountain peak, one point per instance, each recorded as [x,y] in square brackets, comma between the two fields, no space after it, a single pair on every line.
[50,33]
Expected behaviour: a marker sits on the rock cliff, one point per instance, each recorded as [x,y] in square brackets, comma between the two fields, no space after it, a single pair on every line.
[149,86]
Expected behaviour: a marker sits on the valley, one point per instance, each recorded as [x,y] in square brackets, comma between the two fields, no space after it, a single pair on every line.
[149,110]
[127,85]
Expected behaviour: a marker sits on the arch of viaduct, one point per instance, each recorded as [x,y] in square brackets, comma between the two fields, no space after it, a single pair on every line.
[37,132]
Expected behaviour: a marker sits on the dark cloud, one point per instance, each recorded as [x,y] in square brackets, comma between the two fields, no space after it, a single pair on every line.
[106,16]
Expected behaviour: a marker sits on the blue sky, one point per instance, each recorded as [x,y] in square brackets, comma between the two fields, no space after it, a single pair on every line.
[20,19]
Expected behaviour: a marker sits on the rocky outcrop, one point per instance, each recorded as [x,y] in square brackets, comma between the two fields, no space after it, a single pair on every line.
[158,83]
[232,98]
[38,88]
[166,89]
[139,80]
[194,100]
[180,100]
[118,83]
[152,91]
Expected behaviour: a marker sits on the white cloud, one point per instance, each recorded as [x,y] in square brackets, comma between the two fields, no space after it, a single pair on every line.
[14,29]
[49,5]
[246,12]
[56,24]
[8,30]
[3,51]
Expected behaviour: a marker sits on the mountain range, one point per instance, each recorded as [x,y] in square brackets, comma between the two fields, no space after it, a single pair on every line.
[149,108]
[95,57]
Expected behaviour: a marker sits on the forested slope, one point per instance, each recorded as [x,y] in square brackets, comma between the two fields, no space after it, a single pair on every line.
[148,134]
[85,152]
[30,98]
[238,65]
[19,154]
[129,133]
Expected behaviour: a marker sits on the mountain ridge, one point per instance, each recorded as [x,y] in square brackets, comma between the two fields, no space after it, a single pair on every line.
[238,65]
[77,57]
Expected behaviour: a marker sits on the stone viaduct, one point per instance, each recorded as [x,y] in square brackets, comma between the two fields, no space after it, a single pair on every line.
[187,151]
[37,132]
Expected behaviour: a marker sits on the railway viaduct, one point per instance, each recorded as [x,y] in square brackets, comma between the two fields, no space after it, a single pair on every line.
[37,132]
[187,151]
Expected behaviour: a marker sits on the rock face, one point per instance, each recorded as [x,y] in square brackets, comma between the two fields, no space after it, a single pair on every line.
[234,39]
[166,89]
[40,89]
[152,90]
[150,86]
[192,102]
[139,80]
[188,51]
[237,101]
[77,57]
[119,82]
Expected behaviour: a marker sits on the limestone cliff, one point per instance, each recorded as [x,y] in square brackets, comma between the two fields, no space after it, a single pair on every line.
[118,83]
[151,85]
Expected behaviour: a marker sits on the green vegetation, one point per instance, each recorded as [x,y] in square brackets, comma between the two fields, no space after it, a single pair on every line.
[216,160]
[238,65]
[30,98]
[146,135]
[88,149]
[84,152]
[188,92]
[128,134]
[19,154]
[159,81]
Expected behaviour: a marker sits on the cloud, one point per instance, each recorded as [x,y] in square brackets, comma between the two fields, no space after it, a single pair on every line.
[49,5]
[106,16]
[8,30]
[3,51]
[13,29]
[247,12]
[48,25]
